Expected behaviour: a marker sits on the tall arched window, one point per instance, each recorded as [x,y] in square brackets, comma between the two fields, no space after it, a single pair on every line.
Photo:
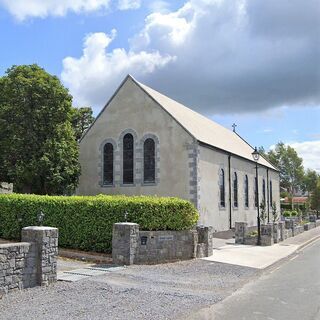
[246,191]
[222,189]
[264,191]
[270,192]
[255,192]
[108,164]
[128,159]
[149,161]
[235,190]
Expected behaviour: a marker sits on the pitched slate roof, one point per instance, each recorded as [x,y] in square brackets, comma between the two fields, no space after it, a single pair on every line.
[203,129]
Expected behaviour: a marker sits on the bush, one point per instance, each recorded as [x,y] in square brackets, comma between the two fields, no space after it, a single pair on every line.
[86,222]
[286,213]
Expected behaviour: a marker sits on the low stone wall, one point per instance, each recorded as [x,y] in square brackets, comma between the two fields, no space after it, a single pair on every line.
[272,232]
[6,187]
[132,246]
[31,262]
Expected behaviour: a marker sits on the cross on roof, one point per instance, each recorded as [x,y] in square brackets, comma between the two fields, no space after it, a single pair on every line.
[234,127]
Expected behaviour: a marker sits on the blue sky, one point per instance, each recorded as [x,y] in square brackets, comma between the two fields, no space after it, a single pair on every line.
[249,62]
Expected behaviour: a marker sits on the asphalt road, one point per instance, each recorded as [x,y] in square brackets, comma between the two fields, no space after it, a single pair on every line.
[288,291]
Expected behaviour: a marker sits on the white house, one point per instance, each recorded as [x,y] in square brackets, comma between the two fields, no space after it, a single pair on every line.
[144,143]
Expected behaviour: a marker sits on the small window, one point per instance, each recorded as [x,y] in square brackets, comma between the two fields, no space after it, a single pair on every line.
[246,191]
[235,190]
[264,191]
[222,189]
[128,159]
[271,200]
[149,161]
[255,192]
[108,164]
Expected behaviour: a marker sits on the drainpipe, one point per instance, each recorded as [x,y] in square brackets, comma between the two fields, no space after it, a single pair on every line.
[268,195]
[230,204]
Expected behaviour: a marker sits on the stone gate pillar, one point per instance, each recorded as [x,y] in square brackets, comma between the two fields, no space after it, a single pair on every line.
[241,229]
[267,234]
[124,242]
[205,241]
[42,262]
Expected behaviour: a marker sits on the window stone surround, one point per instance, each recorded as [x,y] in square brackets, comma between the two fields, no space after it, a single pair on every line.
[137,160]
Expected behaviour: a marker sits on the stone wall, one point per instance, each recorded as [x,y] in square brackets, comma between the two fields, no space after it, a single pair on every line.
[272,232]
[31,262]
[132,246]
[6,188]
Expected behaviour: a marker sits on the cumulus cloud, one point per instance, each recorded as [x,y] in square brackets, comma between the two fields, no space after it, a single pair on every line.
[23,9]
[309,151]
[97,73]
[231,56]
[129,4]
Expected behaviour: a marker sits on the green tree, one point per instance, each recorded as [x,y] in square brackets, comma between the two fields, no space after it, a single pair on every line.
[38,150]
[315,198]
[310,180]
[286,159]
[81,120]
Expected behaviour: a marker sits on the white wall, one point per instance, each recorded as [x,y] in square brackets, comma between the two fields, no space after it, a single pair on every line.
[211,213]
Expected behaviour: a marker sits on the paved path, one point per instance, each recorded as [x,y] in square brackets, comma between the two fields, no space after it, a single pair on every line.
[291,291]
[226,251]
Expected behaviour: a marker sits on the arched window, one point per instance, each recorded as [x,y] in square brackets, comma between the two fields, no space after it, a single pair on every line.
[264,191]
[128,159]
[270,192]
[108,164]
[222,189]
[255,192]
[235,190]
[149,161]
[246,191]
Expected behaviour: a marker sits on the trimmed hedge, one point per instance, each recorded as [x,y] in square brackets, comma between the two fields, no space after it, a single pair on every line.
[86,222]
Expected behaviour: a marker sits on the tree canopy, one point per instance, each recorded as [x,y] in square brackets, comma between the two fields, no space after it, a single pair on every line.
[38,149]
[286,159]
[81,120]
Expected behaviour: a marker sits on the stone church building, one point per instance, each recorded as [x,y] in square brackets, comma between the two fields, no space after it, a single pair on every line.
[144,143]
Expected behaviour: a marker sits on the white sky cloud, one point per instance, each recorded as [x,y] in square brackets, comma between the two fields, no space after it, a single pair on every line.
[129,4]
[23,9]
[231,57]
[92,77]
[309,151]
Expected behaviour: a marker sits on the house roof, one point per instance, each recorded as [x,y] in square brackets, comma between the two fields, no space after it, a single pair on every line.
[296,200]
[203,129]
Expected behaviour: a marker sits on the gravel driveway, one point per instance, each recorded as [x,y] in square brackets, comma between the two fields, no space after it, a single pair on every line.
[166,291]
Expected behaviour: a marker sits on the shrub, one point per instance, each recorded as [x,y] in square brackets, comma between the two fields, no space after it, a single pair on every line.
[286,213]
[86,222]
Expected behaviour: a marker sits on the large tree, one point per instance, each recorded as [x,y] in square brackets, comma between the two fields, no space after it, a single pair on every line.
[286,159]
[315,198]
[38,150]
[81,120]
[310,180]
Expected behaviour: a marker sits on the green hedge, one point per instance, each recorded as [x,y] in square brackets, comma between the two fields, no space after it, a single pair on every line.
[288,206]
[86,222]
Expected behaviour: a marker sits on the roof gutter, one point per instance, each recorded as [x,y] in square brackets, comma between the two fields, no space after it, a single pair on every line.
[209,146]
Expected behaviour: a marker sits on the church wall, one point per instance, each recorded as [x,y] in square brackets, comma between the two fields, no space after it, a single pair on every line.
[132,110]
[211,212]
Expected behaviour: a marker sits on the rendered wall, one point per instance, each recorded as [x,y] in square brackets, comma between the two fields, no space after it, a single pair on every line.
[133,111]
[211,213]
